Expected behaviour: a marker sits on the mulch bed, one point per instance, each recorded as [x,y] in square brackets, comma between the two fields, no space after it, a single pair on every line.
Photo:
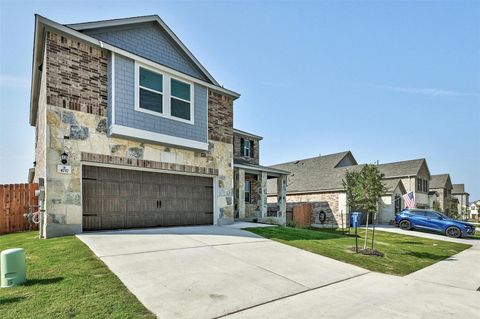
[368,252]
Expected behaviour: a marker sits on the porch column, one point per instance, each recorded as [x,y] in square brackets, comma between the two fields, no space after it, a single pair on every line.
[241,193]
[263,194]
[282,195]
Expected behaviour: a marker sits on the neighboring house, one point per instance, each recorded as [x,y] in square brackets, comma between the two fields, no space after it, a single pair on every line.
[474,212]
[442,185]
[459,193]
[251,182]
[147,130]
[319,180]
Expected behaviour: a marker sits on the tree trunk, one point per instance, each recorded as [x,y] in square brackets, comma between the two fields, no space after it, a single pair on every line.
[374,223]
[366,232]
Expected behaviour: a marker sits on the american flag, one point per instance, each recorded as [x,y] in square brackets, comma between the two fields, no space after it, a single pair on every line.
[409,199]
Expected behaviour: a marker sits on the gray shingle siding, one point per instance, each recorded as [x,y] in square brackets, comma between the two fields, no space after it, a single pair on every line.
[126,115]
[149,41]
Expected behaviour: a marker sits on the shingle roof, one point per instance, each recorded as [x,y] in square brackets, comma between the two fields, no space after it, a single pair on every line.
[439,181]
[403,168]
[314,174]
[458,189]
[391,185]
[255,167]
[321,174]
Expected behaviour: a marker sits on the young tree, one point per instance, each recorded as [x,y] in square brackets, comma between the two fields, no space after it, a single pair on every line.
[364,190]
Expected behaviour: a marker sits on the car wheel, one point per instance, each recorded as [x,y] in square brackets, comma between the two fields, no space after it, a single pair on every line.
[453,232]
[405,224]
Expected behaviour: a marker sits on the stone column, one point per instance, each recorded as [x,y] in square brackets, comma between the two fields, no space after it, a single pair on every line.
[241,193]
[263,194]
[282,196]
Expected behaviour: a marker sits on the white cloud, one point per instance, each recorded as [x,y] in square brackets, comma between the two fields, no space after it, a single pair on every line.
[14,81]
[432,92]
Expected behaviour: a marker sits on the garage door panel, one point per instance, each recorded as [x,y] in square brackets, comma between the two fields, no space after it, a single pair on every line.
[118,198]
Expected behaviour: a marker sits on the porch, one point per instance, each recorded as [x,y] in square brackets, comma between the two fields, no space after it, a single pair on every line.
[250,197]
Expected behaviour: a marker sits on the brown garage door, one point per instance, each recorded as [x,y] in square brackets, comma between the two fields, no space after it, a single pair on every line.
[118,198]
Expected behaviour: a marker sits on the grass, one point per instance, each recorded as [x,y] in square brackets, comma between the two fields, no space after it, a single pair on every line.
[65,280]
[403,254]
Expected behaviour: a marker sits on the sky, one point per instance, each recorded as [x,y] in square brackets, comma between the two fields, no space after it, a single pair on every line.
[387,80]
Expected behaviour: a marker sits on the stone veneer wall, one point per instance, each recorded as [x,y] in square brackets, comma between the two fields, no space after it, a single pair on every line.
[64,199]
[237,152]
[76,75]
[333,204]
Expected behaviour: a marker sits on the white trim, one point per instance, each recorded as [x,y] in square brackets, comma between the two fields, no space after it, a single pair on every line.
[89,39]
[130,132]
[112,70]
[166,94]
[261,169]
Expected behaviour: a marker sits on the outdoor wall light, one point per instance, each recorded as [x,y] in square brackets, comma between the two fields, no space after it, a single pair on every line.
[64,158]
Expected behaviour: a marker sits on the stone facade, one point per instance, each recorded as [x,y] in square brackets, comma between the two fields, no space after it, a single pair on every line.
[333,204]
[237,152]
[220,117]
[64,199]
[76,75]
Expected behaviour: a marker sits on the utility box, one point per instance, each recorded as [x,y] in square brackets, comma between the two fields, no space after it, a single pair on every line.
[12,264]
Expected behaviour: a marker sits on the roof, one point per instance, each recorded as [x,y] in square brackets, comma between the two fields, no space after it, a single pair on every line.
[254,167]
[315,174]
[247,134]
[440,181]
[459,189]
[74,30]
[392,184]
[402,168]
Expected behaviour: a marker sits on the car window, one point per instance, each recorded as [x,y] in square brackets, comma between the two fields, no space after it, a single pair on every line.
[418,213]
[432,215]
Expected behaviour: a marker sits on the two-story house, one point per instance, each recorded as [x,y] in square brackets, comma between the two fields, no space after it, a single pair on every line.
[319,181]
[251,182]
[462,197]
[131,130]
[441,184]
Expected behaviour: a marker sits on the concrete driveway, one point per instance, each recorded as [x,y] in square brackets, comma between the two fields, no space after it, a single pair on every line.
[208,271]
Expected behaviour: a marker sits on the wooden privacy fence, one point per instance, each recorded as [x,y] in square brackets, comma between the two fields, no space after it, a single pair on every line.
[302,215]
[16,200]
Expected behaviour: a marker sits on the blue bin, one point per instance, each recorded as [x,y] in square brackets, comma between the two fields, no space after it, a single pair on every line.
[355,219]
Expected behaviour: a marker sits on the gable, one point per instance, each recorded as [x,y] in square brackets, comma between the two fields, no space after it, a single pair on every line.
[149,41]
[347,160]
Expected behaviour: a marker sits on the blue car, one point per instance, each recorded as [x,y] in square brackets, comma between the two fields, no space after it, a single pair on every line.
[432,220]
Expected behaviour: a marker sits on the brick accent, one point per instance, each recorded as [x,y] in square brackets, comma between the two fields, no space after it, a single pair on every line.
[117,160]
[76,75]
[220,117]
[237,152]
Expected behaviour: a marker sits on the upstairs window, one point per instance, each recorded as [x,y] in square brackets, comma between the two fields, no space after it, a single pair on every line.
[419,184]
[161,94]
[150,90]
[246,148]
[180,99]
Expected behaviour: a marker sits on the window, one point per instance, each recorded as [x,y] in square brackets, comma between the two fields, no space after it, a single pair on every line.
[246,147]
[150,90]
[163,95]
[247,191]
[419,184]
[180,99]
[425,185]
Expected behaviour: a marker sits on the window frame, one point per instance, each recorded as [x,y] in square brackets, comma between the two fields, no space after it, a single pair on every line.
[166,94]
[249,192]
[245,142]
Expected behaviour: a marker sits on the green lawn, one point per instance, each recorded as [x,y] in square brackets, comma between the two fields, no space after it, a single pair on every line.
[65,280]
[403,254]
